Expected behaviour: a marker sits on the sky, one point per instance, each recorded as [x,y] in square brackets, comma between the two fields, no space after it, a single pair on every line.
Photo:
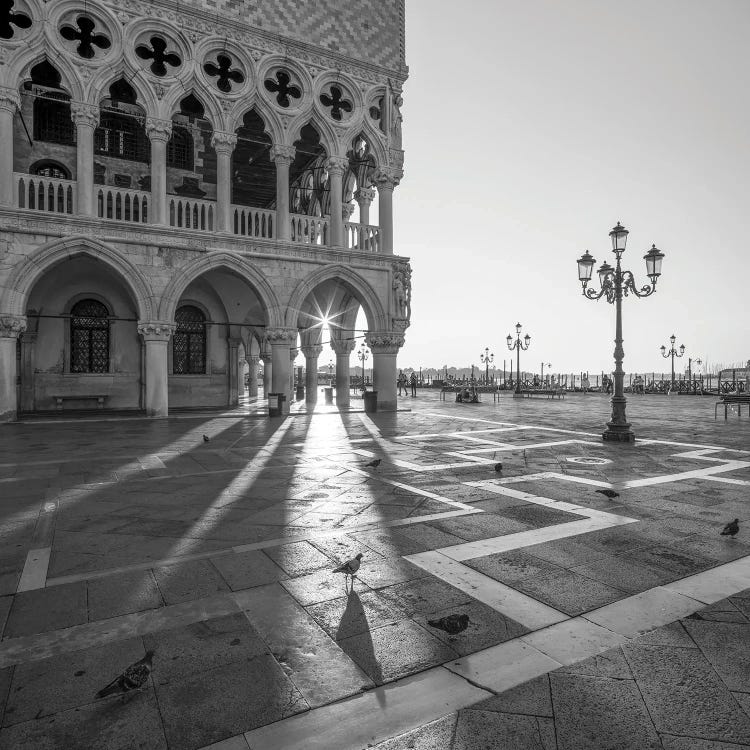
[530,128]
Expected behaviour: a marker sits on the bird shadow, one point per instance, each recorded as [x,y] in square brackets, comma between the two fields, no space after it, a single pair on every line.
[353,636]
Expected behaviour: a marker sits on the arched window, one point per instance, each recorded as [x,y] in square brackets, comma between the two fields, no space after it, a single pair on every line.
[49,168]
[180,149]
[122,137]
[189,342]
[89,337]
[52,122]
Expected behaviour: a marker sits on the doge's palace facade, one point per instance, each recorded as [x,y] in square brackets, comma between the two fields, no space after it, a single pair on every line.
[186,189]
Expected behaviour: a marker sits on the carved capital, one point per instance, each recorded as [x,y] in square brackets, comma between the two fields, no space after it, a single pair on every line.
[223,143]
[84,114]
[365,196]
[337,165]
[312,352]
[10,101]
[347,209]
[158,130]
[252,360]
[386,178]
[293,352]
[343,347]
[385,342]
[280,335]
[156,330]
[282,154]
[12,326]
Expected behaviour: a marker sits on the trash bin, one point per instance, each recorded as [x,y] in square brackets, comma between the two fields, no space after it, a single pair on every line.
[371,402]
[328,395]
[277,405]
[300,395]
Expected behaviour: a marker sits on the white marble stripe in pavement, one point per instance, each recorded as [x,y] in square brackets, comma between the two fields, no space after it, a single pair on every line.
[728,480]
[35,569]
[681,476]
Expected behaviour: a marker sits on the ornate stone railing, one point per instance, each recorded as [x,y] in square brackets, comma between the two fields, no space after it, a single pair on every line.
[365,237]
[309,230]
[191,213]
[253,222]
[45,193]
[122,204]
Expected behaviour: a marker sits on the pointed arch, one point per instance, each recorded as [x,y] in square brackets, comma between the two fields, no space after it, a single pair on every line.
[212,112]
[359,286]
[28,58]
[227,261]
[271,121]
[328,136]
[100,83]
[37,264]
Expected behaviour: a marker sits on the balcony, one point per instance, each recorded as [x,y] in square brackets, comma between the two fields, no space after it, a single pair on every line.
[54,195]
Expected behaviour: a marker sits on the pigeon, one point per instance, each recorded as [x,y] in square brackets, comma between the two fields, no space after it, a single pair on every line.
[452,624]
[731,528]
[374,463]
[611,494]
[132,678]
[205,438]
[350,567]
[498,468]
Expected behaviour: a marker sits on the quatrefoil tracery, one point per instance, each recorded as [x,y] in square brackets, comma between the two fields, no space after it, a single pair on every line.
[83,34]
[9,19]
[283,88]
[158,53]
[224,73]
[336,103]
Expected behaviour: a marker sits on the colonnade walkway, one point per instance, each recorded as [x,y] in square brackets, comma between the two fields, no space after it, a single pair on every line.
[584,621]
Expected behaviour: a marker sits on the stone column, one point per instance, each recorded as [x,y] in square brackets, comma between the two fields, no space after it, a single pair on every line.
[343,349]
[156,335]
[11,327]
[233,346]
[282,156]
[281,341]
[311,373]
[28,343]
[386,180]
[364,197]
[159,132]
[267,373]
[252,373]
[384,348]
[86,119]
[336,167]
[292,356]
[223,144]
[10,102]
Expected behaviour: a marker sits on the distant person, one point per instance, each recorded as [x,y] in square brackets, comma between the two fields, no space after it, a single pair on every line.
[401,383]
[413,383]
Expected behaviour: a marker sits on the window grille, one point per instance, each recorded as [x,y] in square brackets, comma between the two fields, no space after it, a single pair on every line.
[189,342]
[122,137]
[89,337]
[51,169]
[52,123]
[180,149]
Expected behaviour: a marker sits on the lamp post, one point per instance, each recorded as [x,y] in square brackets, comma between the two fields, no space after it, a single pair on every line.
[698,362]
[363,355]
[330,372]
[518,346]
[485,359]
[548,365]
[616,283]
[672,353]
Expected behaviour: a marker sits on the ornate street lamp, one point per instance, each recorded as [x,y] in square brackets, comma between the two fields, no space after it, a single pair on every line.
[485,359]
[518,346]
[330,372]
[616,283]
[548,366]
[363,355]
[698,362]
[672,353]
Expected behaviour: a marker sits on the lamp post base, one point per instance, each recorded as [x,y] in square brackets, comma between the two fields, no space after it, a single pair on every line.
[618,433]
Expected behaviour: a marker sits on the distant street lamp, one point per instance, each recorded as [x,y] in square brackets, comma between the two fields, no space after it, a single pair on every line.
[672,353]
[363,355]
[330,372]
[486,358]
[518,346]
[616,283]
[548,365]
[698,362]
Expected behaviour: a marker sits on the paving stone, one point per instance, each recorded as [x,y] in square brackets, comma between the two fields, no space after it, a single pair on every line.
[610,664]
[430,536]
[721,611]
[679,562]
[49,686]
[245,570]
[684,695]
[355,614]
[383,572]
[187,581]
[510,567]
[298,558]
[388,544]
[42,610]
[623,573]
[673,635]
[437,735]
[320,586]
[532,698]
[110,724]
[565,553]
[424,596]
[211,706]
[6,602]
[487,730]
[691,743]
[392,651]
[538,516]
[6,675]
[474,527]
[725,645]
[122,594]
